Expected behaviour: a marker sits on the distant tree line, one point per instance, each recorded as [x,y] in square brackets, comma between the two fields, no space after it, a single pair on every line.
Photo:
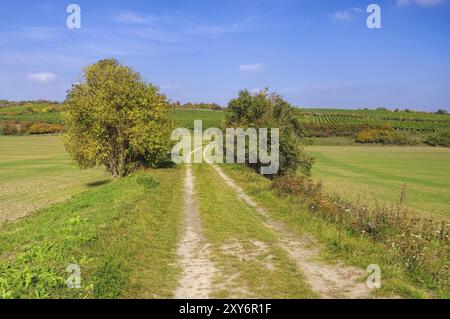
[5,103]
[33,128]
[196,106]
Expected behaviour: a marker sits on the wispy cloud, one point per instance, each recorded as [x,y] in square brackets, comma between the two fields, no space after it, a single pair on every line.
[346,15]
[130,17]
[423,3]
[257,67]
[43,77]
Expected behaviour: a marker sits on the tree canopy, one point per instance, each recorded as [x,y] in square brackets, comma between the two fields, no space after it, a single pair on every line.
[116,119]
[270,110]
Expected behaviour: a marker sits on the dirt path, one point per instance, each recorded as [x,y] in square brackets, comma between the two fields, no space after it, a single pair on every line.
[193,250]
[337,281]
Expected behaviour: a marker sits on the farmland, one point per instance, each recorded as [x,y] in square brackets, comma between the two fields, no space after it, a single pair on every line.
[186,118]
[106,227]
[124,234]
[318,122]
[35,171]
[331,122]
[32,112]
[378,173]
[50,114]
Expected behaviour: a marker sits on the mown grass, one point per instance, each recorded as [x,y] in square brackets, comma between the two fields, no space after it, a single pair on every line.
[332,141]
[186,118]
[123,235]
[246,252]
[371,173]
[35,171]
[354,249]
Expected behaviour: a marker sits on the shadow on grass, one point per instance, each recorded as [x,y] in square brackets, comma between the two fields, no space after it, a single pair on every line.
[99,183]
[166,164]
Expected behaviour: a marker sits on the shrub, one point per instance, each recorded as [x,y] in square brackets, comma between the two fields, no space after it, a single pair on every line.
[385,136]
[441,138]
[264,110]
[43,128]
[10,129]
[294,184]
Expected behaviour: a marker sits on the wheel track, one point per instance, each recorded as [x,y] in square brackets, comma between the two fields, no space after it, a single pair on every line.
[329,281]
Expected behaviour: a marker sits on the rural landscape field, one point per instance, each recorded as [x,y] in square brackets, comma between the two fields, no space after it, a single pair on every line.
[151,163]
[49,206]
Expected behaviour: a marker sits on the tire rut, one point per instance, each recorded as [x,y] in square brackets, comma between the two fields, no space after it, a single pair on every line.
[193,251]
[328,281]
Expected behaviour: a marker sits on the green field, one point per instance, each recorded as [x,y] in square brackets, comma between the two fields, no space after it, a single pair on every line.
[124,234]
[35,171]
[186,118]
[378,173]
[182,118]
[318,122]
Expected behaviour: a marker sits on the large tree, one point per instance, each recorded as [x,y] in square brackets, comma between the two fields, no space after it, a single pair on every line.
[116,119]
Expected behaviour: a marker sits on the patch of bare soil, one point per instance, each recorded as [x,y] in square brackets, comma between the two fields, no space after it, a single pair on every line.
[259,250]
[193,251]
[329,281]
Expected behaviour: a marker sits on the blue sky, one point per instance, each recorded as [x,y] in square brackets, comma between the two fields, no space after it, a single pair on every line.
[316,53]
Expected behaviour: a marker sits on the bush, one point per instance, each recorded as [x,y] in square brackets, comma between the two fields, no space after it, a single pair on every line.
[294,184]
[441,138]
[9,129]
[264,110]
[43,128]
[385,136]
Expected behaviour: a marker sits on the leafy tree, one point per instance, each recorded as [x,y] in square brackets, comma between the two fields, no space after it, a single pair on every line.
[270,110]
[116,119]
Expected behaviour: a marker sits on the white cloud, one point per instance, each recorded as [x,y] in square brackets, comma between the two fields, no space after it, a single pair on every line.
[42,77]
[423,3]
[343,15]
[346,15]
[257,67]
[134,18]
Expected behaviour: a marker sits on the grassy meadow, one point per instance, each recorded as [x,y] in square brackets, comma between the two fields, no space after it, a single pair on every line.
[372,173]
[186,118]
[343,244]
[36,171]
[123,235]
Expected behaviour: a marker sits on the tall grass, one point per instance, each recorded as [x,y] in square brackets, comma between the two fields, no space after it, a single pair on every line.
[422,243]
